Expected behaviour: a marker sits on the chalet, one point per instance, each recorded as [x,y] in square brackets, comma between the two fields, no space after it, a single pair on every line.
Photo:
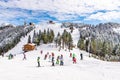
[29,47]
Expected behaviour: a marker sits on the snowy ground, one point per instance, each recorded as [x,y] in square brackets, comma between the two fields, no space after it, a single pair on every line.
[87,69]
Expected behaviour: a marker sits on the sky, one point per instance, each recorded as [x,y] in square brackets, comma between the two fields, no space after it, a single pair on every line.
[76,11]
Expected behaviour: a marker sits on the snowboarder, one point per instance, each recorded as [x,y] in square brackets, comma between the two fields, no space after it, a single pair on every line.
[24,56]
[61,60]
[81,56]
[38,61]
[58,60]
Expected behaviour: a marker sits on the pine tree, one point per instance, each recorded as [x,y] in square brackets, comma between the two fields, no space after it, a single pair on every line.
[70,41]
[64,38]
[34,37]
[81,44]
[57,39]
[51,36]
[44,37]
[87,45]
[93,46]
[39,36]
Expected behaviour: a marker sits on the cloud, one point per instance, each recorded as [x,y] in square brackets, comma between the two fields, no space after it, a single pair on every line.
[108,16]
[62,10]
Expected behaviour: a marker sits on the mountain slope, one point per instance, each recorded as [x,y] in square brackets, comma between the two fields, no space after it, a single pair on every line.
[86,69]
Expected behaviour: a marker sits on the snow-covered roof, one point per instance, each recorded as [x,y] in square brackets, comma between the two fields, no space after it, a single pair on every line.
[32,44]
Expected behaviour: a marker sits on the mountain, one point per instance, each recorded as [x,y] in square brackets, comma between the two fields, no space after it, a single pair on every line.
[87,69]
[102,40]
[10,36]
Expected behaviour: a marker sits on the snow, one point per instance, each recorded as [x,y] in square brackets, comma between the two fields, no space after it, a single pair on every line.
[86,69]
[75,36]
[116,30]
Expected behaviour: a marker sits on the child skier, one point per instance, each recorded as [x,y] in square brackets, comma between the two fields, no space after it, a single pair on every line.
[70,54]
[45,57]
[74,60]
[58,60]
[10,56]
[41,51]
[61,60]
[53,64]
[38,61]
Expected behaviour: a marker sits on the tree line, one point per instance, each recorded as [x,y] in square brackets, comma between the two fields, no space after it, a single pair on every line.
[63,40]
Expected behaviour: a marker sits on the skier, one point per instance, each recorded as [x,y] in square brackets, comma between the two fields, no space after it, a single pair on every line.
[61,60]
[45,57]
[74,60]
[38,61]
[41,51]
[52,54]
[58,60]
[81,56]
[47,53]
[70,54]
[24,56]
[10,56]
[73,56]
[53,64]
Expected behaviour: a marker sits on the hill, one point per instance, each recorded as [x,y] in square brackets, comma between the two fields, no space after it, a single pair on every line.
[86,69]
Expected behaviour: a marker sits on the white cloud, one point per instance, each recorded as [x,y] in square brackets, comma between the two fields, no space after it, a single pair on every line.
[62,8]
[62,16]
[65,6]
[7,15]
[108,16]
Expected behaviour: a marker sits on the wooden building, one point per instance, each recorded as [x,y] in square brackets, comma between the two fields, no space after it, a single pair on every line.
[29,47]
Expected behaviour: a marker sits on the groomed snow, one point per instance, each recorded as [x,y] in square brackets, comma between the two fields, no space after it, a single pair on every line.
[86,69]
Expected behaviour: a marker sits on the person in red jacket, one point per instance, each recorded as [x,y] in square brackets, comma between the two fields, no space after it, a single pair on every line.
[74,60]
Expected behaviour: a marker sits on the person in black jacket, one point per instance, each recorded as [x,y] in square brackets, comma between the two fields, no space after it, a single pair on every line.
[38,61]
[81,56]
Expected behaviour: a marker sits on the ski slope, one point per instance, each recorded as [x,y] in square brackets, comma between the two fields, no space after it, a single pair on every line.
[86,69]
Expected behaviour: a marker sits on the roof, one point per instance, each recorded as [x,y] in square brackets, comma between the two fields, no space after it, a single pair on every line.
[32,44]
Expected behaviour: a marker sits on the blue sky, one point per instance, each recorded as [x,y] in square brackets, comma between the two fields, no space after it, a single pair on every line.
[77,11]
